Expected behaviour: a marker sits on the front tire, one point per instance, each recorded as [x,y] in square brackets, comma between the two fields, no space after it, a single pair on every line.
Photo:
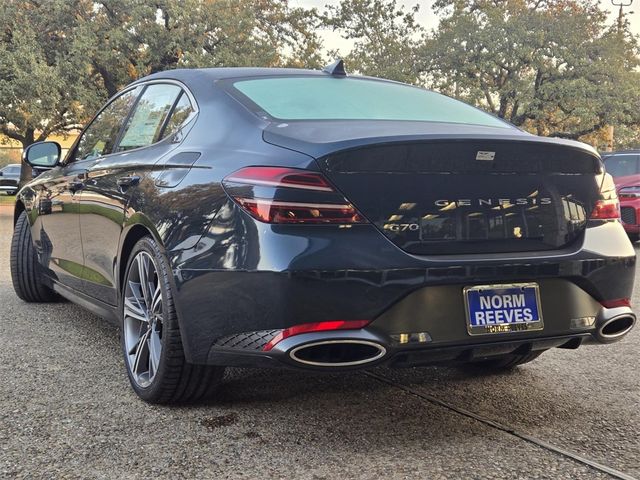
[28,281]
[151,341]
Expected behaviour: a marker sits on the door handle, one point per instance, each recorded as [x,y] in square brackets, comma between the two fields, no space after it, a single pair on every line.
[129,181]
[75,186]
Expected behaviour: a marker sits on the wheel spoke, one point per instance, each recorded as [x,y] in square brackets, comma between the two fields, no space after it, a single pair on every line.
[133,309]
[135,347]
[156,303]
[144,274]
[142,354]
[155,347]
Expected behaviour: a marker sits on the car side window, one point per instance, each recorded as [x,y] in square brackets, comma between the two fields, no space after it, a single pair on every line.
[101,135]
[182,110]
[144,126]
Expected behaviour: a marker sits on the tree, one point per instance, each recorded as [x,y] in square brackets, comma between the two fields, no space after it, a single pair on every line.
[551,66]
[61,59]
[386,38]
[133,39]
[45,85]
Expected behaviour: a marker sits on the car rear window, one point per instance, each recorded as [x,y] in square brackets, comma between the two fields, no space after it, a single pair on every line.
[621,165]
[331,98]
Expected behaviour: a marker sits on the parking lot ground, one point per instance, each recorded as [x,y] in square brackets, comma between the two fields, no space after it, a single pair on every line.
[66,411]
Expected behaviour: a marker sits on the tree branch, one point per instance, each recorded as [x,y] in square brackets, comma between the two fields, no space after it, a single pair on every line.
[12,134]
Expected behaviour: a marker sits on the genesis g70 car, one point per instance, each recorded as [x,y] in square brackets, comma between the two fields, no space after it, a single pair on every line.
[322,221]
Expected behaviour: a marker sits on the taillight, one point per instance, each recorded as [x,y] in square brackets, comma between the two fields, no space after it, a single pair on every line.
[618,302]
[608,206]
[289,195]
[280,177]
[606,210]
[315,327]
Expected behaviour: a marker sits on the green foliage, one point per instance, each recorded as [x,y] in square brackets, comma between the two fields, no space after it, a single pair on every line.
[60,59]
[45,84]
[135,38]
[386,38]
[552,66]
[555,67]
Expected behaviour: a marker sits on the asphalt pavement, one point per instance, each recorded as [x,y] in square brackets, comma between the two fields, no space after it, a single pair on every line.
[67,411]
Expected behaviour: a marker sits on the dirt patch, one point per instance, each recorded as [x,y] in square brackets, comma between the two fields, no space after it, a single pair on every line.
[220,421]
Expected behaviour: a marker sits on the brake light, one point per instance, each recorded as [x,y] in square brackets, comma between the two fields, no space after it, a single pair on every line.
[608,206]
[315,327]
[270,211]
[306,197]
[606,210]
[280,177]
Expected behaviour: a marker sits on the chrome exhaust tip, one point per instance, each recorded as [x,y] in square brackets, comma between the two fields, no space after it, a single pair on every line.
[613,324]
[615,328]
[338,353]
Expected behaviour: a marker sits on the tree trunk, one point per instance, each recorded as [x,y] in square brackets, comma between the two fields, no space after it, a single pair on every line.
[26,174]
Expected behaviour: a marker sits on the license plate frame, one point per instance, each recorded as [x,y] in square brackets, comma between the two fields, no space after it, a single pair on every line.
[530,289]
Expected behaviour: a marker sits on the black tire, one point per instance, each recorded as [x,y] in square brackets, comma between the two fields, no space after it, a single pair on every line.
[27,280]
[634,237]
[175,380]
[506,362]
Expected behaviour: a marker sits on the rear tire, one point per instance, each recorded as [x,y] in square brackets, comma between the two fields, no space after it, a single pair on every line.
[27,279]
[151,342]
[506,362]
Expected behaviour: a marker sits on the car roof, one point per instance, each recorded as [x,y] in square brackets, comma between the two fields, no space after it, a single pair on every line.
[11,165]
[620,152]
[187,74]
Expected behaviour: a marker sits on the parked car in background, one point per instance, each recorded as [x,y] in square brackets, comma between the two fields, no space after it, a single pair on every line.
[624,166]
[10,178]
[313,220]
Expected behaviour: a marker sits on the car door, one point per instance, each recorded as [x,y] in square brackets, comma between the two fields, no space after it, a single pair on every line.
[60,196]
[112,180]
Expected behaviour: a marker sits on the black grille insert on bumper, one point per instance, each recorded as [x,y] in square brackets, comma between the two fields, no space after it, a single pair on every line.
[628,215]
[247,340]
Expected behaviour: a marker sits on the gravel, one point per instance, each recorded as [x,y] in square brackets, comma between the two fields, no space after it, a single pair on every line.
[67,411]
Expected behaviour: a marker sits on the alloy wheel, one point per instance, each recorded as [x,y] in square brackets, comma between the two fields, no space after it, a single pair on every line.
[143,313]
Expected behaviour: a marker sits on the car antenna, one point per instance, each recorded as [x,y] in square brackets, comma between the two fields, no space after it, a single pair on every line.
[336,69]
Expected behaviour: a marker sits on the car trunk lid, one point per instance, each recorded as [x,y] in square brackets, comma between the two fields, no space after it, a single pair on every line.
[469,192]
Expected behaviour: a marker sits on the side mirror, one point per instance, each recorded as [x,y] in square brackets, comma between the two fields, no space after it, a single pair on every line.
[1,174]
[42,154]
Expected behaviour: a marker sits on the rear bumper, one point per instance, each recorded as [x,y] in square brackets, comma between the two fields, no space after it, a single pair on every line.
[403,339]
[276,279]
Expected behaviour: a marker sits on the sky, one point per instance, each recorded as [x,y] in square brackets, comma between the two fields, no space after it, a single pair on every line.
[428,19]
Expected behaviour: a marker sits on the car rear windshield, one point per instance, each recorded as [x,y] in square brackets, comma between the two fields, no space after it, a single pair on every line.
[622,165]
[330,98]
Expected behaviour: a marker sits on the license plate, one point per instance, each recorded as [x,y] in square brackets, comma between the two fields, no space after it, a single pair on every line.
[503,308]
